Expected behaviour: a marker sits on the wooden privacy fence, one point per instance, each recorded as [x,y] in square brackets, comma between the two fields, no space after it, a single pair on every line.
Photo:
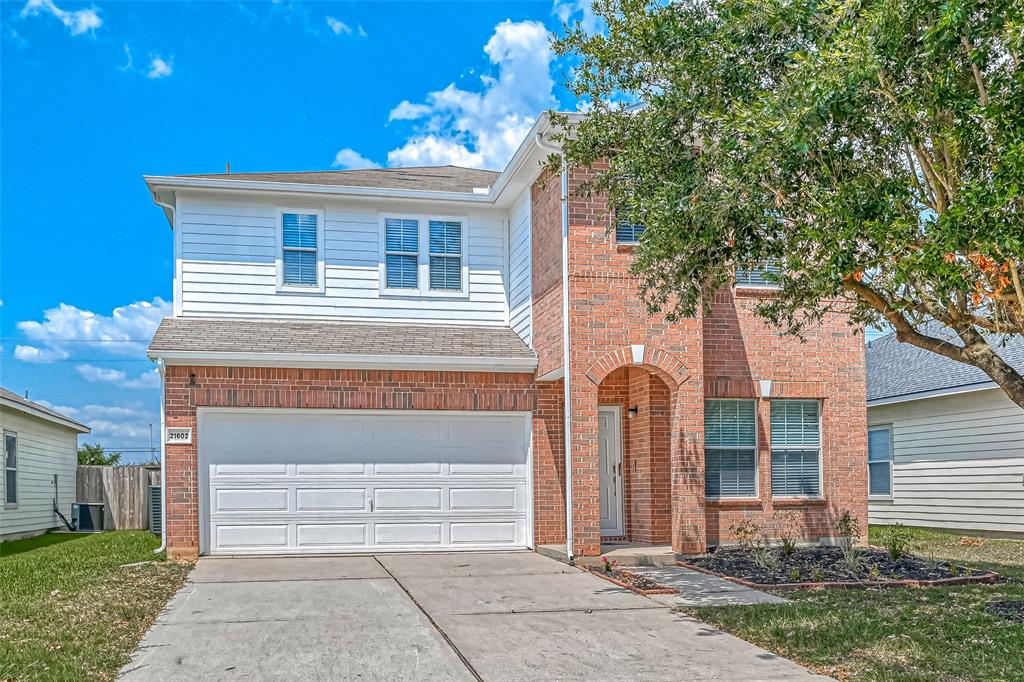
[123,490]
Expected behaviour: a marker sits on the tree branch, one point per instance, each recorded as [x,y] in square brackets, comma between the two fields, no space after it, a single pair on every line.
[982,92]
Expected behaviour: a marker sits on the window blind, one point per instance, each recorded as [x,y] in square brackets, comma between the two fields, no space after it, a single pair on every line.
[796,447]
[401,248]
[730,454]
[299,242]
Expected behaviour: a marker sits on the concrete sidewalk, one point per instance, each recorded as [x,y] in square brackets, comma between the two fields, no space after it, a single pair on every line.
[484,616]
[700,589]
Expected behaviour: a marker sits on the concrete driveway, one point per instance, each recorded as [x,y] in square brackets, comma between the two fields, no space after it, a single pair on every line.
[494,616]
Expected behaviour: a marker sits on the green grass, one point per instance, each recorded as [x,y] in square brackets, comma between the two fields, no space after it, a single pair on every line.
[69,611]
[933,634]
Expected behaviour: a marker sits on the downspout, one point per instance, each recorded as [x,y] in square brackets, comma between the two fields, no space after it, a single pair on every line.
[163,464]
[566,347]
[163,419]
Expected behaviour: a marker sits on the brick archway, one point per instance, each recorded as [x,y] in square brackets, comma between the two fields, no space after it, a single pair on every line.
[660,362]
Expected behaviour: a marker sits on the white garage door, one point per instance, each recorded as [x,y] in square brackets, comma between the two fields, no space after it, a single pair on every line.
[318,481]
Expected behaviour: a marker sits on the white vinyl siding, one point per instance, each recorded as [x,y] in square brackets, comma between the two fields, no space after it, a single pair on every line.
[730,448]
[796,448]
[880,460]
[44,449]
[958,462]
[520,271]
[227,253]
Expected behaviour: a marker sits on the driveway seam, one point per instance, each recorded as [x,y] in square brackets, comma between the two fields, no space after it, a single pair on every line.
[288,580]
[430,619]
[584,611]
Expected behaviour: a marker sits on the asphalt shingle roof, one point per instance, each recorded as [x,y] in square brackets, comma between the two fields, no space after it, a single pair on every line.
[898,369]
[218,335]
[424,178]
[25,402]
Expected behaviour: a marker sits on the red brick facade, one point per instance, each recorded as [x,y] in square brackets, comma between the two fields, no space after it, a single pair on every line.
[619,355]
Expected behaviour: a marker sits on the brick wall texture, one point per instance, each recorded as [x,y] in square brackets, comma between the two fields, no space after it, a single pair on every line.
[619,355]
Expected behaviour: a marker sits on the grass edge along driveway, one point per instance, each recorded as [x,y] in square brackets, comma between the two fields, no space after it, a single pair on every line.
[69,611]
[933,634]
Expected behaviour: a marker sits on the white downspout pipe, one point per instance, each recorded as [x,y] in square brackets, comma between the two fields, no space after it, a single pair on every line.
[163,465]
[163,423]
[566,347]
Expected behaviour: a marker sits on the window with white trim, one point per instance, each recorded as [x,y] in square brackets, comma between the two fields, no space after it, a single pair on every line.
[880,460]
[445,237]
[10,467]
[301,243]
[401,253]
[761,275]
[796,448]
[423,255]
[627,232]
[730,448]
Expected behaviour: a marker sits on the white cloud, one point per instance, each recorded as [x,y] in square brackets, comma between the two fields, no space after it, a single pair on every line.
[350,159]
[407,111]
[127,66]
[581,11]
[94,374]
[338,26]
[77,22]
[483,128]
[125,332]
[362,32]
[160,68]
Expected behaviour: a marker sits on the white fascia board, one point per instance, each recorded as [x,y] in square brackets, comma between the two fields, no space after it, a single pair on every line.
[937,393]
[28,409]
[339,361]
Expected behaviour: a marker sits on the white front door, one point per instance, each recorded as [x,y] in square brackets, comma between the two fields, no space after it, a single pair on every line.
[334,481]
[610,447]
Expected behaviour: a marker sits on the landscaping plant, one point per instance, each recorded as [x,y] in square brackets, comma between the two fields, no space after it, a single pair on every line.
[746,533]
[897,539]
[787,525]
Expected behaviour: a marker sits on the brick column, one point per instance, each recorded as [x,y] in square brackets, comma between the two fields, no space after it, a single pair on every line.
[586,469]
[689,534]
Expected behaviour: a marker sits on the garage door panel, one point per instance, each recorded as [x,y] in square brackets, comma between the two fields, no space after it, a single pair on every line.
[251,536]
[251,499]
[480,533]
[437,480]
[330,499]
[410,534]
[471,499]
[331,534]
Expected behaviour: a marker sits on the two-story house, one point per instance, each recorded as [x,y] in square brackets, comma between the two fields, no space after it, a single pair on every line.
[381,360]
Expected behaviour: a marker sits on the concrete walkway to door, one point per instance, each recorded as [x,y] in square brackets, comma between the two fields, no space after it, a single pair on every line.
[493,616]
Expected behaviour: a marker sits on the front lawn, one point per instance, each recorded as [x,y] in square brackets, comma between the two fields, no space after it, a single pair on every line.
[939,633]
[68,611]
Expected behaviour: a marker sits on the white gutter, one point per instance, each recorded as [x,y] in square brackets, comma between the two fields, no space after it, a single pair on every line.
[345,361]
[936,393]
[566,348]
[163,464]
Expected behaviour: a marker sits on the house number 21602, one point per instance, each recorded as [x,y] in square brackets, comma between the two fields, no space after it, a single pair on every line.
[178,436]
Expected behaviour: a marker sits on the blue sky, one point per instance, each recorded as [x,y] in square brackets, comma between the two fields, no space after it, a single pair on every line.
[94,95]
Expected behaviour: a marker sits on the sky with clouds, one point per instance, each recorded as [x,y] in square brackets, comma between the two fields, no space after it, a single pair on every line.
[94,95]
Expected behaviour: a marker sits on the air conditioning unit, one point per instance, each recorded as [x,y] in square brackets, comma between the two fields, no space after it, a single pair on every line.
[156,516]
[87,516]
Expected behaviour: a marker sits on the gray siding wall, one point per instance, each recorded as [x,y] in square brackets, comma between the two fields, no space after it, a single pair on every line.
[44,449]
[958,462]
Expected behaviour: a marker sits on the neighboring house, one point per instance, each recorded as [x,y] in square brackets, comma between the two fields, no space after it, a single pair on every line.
[40,460]
[379,360]
[946,444]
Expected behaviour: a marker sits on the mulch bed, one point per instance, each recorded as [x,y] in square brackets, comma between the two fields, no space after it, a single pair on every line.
[632,581]
[1010,610]
[815,567]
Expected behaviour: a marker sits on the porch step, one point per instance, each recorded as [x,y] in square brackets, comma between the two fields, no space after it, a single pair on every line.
[623,554]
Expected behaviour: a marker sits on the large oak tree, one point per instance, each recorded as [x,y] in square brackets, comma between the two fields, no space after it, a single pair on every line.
[874,149]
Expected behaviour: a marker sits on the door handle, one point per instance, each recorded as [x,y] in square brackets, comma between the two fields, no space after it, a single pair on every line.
[371,504]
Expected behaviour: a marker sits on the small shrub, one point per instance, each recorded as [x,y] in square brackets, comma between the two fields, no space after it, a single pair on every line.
[897,539]
[608,564]
[787,526]
[765,558]
[746,533]
[817,576]
[874,573]
[794,575]
[848,527]
[954,570]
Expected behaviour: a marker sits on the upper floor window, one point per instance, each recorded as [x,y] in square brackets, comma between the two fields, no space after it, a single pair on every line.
[796,448]
[401,253]
[880,460]
[423,256]
[301,245]
[10,467]
[761,275]
[627,232]
[730,448]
